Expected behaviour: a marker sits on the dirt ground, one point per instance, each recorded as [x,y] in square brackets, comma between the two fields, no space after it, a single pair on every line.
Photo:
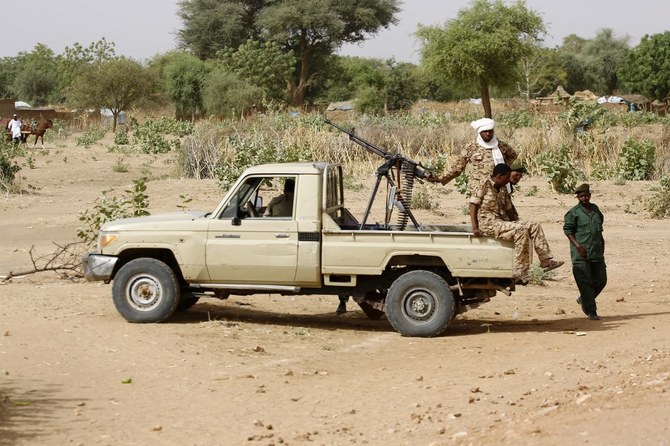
[273,370]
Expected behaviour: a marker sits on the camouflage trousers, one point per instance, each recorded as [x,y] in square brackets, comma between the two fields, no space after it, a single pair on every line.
[521,233]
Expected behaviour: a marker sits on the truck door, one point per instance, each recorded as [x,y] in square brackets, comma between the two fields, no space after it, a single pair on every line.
[254,240]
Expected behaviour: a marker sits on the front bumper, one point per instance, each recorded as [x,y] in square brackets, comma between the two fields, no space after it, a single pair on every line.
[98,266]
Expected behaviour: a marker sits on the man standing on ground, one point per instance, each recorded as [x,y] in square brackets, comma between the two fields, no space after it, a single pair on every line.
[583,225]
[14,128]
[489,208]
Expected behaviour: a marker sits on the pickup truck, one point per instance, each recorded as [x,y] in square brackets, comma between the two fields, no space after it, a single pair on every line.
[419,277]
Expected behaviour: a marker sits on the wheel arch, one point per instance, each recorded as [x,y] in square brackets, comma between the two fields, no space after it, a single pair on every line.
[163,254]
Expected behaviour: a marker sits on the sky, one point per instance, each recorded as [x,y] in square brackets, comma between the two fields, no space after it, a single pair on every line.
[141,29]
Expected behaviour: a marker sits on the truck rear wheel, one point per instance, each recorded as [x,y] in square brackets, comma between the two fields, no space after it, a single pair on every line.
[145,290]
[419,303]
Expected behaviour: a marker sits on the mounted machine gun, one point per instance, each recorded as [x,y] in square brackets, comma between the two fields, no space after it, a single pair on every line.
[399,173]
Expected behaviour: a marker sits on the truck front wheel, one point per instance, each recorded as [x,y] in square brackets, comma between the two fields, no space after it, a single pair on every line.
[145,290]
[419,303]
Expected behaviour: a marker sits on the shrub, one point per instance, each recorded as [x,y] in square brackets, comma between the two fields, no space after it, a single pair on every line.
[560,169]
[636,160]
[90,137]
[8,166]
[151,135]
[134,204]
[121,138]
[659,204]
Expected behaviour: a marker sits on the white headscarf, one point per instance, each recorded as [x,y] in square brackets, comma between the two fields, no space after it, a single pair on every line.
[484,124]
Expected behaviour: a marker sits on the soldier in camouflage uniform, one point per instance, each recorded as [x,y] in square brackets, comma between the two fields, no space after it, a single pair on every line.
[481,155]
[490,205]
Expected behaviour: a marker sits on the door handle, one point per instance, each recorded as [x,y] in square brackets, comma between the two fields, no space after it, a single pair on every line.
[282,235]
[227,236]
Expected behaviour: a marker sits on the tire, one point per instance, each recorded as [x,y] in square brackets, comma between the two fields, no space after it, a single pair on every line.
[145,290]
[371,312]
[186,301]
[419,303]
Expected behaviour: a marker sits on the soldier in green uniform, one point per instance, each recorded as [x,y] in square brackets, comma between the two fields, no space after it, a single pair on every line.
[583,225]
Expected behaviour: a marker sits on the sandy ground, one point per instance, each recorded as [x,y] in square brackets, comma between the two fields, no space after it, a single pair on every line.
[271,370]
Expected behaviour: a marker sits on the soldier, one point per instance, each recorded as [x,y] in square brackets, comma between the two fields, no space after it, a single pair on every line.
[489,208]
[583,225]
[481,155]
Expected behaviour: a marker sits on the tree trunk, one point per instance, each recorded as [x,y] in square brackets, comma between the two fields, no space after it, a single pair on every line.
[304,79]
[115,116]
[486,98]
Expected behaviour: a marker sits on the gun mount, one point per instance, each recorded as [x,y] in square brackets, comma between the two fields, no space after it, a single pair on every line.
[399,172]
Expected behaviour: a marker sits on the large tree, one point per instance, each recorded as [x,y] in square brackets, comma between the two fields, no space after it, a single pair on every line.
[483,46]
[116,84]
[646,69]
[312,29]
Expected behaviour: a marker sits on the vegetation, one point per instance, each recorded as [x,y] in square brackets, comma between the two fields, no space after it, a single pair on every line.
[312,30]
[135,203]
[645,69]
[483,45]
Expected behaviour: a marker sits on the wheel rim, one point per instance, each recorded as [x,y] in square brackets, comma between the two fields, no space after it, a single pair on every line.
[419,305]
[144,292]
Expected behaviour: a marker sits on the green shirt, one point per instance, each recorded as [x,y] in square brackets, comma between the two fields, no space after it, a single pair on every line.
[587,227]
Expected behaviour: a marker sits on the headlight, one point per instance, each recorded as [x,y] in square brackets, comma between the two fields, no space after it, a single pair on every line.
[105,238]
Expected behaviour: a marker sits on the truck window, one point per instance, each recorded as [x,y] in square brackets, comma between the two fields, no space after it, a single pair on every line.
[262,197]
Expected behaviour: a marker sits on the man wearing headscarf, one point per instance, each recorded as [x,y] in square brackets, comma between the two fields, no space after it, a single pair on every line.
[481,155]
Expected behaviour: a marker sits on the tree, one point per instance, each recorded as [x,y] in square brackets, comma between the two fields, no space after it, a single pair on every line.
[540,73]
[603,55]
[483,45]
[227,94]
[183,78]
[646,69]
[116,84]
[264,65]
[213,25]
[36,79]
[75,58]
[311,29]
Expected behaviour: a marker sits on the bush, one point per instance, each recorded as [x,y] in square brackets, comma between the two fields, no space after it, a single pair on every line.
[560,169]
[151,135]
[636,160]
[90,137]
[105,209]
[8,166]
[659,205]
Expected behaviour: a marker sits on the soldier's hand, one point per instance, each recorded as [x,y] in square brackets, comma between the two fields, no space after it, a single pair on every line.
[582,252]
[477,232]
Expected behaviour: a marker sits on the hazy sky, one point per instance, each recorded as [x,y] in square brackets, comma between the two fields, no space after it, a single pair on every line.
[142,28]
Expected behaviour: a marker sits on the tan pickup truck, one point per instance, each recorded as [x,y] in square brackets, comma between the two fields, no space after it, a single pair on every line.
[421,277]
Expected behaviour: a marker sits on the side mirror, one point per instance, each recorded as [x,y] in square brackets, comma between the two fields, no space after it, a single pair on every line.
[237,221]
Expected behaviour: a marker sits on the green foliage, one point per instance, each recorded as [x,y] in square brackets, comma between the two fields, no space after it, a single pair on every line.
[560,169]
[636,160]
[264,65]
[583,113]
[134,204]
[645,69]
[36,80]
[538,275]
[461,184]
[658,205]
[516,119]
[90,137]
[226,94]
[8,165]
[120,166]
[183,76]
[211,26]
[151,135]
[483,45]
[421,199]
[117,84]
[121,138]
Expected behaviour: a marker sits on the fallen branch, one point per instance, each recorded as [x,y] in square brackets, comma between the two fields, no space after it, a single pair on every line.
[65,261]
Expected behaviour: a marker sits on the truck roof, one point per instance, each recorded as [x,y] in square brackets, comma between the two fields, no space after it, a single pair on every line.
[287,168]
